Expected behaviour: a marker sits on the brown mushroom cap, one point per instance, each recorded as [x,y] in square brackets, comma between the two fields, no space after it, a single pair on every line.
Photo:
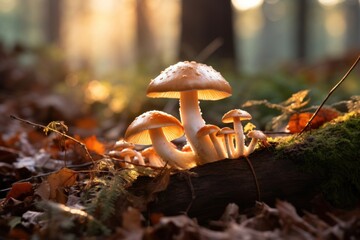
[137,132]
[257,134]
[225,130]
[123,144]
[235,113]
[187,76]
[207,129]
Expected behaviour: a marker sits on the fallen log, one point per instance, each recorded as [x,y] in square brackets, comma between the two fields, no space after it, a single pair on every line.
[296,172]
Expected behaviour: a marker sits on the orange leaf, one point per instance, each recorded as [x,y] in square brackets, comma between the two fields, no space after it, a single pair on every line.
[58,181]
[94,145]
[18,189]
[298,121]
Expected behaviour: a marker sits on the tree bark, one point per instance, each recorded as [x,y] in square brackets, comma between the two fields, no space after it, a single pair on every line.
[204,191]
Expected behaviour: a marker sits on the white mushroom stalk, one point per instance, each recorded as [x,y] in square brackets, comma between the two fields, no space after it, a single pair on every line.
[255,136]
[153,158]
[175,157]
[236,116]
[226,134]
[192,121]
[158,128]
[211,131]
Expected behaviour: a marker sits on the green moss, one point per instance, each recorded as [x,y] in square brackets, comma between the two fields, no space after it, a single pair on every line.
[332,152]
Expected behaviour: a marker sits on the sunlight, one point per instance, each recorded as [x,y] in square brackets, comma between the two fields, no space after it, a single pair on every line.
[243,5]
[100,34]
[7,5]
[97,91]
[120,100]
[329,3]
[335,24]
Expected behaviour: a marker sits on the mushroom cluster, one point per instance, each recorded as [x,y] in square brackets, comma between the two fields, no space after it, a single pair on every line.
[189,82]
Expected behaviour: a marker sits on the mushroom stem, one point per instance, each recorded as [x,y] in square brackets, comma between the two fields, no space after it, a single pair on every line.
[255,136]
[169,153]
[229,146]
[251,146]
[219,147]
[192,121]
[239,138]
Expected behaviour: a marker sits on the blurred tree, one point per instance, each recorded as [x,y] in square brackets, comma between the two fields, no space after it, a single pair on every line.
[301,29]
[207,30]
[145,38]
[53,20]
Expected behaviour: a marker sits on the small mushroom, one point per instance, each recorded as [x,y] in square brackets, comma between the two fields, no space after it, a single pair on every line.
[236,116]
[159,128]
[121,144]
[128,154]
[153,158]
[227,134]
[191,81]
[255,136]
[211,130]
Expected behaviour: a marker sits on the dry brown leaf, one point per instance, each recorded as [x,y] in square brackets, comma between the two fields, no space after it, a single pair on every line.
[43,190]
[58,181]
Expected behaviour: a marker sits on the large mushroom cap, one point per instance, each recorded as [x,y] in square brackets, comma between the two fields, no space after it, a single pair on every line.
[137,132]
[235,113]
[188,76]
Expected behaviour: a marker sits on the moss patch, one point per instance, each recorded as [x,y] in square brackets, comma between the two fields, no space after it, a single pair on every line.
[332,152]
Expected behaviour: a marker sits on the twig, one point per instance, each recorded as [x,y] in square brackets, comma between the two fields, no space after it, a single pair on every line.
[255,178]
[331,91]
[209,49]
[56,131]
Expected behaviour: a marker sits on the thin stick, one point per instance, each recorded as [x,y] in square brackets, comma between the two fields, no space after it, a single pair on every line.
[56,131]
[331,91]
[255,178]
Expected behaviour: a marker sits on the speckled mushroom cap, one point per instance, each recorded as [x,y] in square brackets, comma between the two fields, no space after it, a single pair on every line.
[138,133]
[235,113]
[188,76]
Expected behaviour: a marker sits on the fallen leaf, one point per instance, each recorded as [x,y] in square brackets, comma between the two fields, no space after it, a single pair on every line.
[43,190]
[19,189]
[94,145]
[298,121]
[58,181]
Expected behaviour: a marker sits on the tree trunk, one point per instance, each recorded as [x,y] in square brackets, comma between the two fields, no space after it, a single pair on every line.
[207,30]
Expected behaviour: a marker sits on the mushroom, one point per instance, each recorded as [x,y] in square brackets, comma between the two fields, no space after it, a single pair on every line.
[255,136]
[127,154]
[191,81]
[159,128]
[121,144]
[227,134]
[235,116]
[211,130]
[153,158]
